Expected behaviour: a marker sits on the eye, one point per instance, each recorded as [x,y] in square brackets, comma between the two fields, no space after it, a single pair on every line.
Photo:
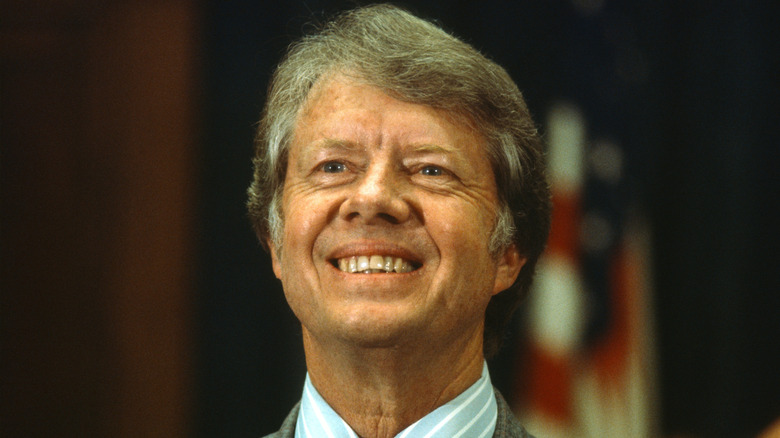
[333,167]
[432,171]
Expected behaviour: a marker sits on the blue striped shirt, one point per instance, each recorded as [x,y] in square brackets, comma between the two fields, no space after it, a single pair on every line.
[471,414]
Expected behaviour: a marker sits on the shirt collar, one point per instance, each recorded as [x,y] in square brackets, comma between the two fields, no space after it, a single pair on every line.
[471,414]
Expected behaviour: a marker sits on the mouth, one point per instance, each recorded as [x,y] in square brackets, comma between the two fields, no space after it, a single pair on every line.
[374,264]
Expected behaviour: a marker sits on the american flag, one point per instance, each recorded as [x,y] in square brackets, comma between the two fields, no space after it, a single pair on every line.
[589,362]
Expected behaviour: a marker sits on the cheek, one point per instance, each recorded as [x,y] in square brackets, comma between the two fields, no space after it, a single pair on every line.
[463,227]
[305,222]
[302,221]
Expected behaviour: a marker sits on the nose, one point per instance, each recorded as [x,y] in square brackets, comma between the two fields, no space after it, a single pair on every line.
[378,197]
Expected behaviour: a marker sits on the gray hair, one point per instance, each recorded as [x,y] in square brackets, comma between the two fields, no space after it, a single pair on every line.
[415,61]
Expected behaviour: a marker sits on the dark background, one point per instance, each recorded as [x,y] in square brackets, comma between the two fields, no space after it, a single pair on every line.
[137,302]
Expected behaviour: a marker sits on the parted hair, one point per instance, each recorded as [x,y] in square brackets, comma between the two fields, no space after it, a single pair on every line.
[415,61]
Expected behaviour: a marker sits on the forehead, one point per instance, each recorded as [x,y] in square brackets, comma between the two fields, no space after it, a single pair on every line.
[341,107]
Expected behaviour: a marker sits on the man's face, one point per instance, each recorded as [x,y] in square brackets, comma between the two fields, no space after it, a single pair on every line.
[375,185]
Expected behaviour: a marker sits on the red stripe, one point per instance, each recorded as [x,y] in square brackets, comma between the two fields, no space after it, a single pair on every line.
[564,228]
[610,356]
[550,382]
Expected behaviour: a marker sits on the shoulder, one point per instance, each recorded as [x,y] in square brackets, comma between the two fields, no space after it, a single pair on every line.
[288,427]
[507,425]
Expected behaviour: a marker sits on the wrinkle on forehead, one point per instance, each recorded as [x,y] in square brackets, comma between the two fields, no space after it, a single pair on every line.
[349,77]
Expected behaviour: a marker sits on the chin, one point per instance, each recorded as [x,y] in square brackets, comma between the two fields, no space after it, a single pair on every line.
[380,330]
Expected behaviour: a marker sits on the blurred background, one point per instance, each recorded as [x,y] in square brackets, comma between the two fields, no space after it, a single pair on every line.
[136,301]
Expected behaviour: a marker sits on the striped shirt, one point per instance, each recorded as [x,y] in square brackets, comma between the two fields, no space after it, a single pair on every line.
[470,414]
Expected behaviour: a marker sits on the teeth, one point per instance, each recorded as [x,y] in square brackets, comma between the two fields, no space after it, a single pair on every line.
[374,264]
[363,263]
[352,265]
[377,262]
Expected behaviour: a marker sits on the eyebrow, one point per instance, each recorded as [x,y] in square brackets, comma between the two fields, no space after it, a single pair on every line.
[315,149]
[428,148]
[351,146]
[332,143]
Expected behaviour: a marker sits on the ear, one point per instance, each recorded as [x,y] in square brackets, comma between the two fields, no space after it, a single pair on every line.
[509,265]
[275,262]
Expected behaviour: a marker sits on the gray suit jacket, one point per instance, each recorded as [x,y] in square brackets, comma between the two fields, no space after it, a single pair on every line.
[507,425]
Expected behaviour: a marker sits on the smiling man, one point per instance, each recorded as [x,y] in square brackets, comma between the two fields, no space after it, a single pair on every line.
[400,190]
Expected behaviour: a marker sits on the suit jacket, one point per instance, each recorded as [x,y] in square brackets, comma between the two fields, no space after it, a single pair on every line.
[507,425]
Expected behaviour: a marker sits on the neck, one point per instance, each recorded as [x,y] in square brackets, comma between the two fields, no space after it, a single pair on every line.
[381,391]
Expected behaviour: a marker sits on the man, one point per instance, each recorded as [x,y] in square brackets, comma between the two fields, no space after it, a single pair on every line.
[400,190]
